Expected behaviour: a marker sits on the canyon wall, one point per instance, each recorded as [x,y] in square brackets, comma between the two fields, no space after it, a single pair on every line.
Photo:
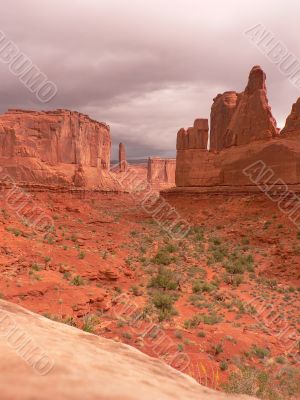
[47,147]
[161,172]
[242,132]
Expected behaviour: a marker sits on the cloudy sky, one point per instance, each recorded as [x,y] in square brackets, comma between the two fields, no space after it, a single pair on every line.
[145,67]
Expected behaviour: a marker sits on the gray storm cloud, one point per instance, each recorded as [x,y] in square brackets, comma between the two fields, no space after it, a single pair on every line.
[146,68]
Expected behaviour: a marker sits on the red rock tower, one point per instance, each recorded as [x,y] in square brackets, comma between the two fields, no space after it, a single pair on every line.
[122,158]
[240,118]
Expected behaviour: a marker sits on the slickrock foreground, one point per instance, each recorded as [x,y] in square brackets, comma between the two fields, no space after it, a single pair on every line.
[85,366]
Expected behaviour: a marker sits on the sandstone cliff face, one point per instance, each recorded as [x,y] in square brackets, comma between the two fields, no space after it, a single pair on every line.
[222,111]
[71,364]
[292,123]
[161,172]
[238,119]
[195,137]
[252,119]
[282,156]
[44,147]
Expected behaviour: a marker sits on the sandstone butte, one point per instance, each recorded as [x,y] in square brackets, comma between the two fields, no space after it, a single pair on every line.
[242,132]
[55,148]
[79,365]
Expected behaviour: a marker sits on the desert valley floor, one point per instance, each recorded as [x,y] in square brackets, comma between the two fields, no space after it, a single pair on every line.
[226,295]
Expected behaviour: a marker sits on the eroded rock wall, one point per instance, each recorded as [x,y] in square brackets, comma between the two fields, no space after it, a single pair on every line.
[45,147]
[161,172]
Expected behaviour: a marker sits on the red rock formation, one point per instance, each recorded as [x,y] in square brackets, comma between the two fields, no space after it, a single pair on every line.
[292,123]
[161,172]
[252,119]
[122,158]
[41,147]
[79,178]
[195,137]
[222,110]
[238,119]
[243,128]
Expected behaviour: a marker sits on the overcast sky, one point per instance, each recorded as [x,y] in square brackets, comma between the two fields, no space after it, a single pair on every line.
[147,68]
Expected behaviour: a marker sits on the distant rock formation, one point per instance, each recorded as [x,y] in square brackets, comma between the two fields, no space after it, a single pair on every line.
[42,147]
[122,158]
[243,131]
[161,172]
[38,353]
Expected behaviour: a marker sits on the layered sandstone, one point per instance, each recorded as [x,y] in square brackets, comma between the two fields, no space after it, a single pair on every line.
[243,131]
[161,172]
[51,360]
[45,147]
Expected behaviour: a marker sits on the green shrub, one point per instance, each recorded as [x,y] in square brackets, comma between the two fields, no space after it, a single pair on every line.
[165,279]
[163,257]
[211,319]
[201,287]
[260,352]
[223,366]
[164,303]
[77,281]
[264,384]
[89,323]
[193,322]
[218,349]
[239,263]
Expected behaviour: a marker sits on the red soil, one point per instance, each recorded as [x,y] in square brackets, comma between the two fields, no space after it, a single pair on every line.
[109,242]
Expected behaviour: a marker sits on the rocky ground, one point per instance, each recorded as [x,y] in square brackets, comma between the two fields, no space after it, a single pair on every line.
[221,302]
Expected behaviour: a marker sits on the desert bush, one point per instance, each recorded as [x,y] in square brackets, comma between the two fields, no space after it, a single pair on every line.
[193,322]
[89,322]
[211,319]
[223,366]
[77,281]
[260,352]
[164,303]
[238,263]
[163,257]
[165,279]
[264,384]
[203,286]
